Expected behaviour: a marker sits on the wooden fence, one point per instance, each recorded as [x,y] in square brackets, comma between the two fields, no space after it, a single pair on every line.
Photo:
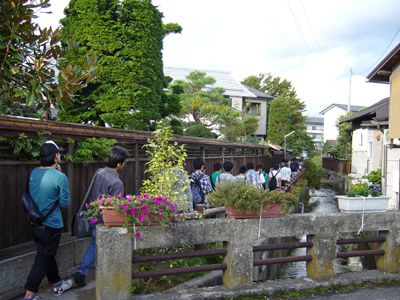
[14,230]
[341,166]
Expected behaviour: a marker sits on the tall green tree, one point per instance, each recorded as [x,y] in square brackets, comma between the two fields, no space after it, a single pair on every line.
[343,146]
[127,36]
[208,108]
[29,57]
[285,113]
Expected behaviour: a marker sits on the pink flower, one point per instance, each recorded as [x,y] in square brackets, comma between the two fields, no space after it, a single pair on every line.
[133,211]
[145,209]
[129,198]
[157,201]
[164,199]
[109,199]
[141,218]
[125,207]
[87,205]
[120,196]
[138,235]
[94,220]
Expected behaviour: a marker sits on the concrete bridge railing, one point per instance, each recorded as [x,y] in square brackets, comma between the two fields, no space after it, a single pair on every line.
[115,245]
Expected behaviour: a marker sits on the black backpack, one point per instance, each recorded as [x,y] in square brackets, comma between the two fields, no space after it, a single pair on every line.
[195,187]
[33,213]
[273,183]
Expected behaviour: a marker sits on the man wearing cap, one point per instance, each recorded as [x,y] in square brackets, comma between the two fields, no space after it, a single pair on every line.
[48,187]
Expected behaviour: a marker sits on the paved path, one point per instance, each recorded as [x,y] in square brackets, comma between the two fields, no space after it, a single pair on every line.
[390,293]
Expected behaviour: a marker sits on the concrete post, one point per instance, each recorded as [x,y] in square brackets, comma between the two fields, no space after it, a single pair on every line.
[390,261]
[239,261]
[323,253]
[114,263]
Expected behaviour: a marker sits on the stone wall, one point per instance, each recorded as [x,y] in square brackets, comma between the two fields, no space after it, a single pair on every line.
[114,245]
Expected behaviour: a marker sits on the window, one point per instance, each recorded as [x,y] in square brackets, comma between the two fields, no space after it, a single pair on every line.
[253,109]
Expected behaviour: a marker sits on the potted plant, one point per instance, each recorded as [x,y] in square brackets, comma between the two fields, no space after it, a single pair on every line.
[242,200]
[364,194]
[131,210]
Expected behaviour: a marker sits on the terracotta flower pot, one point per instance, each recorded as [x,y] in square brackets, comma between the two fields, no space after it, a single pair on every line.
[115,218]
[269,211]
[112,218]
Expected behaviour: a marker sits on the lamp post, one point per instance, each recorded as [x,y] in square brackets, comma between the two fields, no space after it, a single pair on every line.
[284,143]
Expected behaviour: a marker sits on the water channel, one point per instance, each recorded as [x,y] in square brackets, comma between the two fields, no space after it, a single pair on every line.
[321,201]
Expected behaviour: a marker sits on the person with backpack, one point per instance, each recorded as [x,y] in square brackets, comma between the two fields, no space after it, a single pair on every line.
[49,190]
[242,174]
[200,183]
[274,178]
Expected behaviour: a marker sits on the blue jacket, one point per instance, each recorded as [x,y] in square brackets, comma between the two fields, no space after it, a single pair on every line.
[47,186]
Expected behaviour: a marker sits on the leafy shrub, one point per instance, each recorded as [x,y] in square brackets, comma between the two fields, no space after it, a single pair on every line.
[363,187]
[247,198]
[199,130]
[92,149]
[24,147]
[313,172]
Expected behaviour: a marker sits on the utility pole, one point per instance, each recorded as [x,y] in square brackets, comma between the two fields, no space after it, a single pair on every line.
[349,104]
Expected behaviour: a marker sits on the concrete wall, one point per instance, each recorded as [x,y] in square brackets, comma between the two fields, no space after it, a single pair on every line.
[330,118]
[114,245]
[14,271]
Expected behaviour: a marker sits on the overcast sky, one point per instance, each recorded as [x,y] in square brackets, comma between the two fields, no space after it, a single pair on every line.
[312,43]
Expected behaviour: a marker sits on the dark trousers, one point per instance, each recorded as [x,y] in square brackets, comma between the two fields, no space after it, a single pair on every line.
[47,241]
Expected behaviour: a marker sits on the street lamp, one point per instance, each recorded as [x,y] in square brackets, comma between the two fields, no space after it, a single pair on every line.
[284,143]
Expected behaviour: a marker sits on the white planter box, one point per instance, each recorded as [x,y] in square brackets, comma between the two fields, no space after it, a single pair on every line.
[356,205]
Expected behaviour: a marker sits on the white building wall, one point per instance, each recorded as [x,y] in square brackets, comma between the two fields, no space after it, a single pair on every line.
[330,118]
[262,120]
[366,151]
[392,177]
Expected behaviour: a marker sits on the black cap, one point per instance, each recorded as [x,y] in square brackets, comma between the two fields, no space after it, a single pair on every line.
[49,148]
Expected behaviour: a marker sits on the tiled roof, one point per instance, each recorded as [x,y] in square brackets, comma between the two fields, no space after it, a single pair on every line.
[371,110]
[258,93]
[353,108]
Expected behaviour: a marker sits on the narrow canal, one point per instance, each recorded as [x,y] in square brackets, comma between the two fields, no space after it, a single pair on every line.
[321,201]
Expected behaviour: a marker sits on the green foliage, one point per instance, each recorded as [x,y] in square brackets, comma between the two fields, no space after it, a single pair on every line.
[285,112]
[247,198]
[24,147]
[369,185]
[127,36]
[29,56]
[343,146]
[208,107]
[92,149]
[199,130]
[314,171]
[165,168]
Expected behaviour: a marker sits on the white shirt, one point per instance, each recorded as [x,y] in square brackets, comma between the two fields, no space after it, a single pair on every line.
[285,173]
[274,172]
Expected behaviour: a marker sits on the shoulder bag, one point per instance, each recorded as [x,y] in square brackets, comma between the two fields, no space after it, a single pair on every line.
[80,224]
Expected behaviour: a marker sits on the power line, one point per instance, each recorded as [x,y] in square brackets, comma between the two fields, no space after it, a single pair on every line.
[298,27]
[309,24]
[383,53]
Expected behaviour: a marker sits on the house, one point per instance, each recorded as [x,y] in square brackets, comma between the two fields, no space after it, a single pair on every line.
[331,115]
[242,97]
[369,127]
[315,130]
[388,72]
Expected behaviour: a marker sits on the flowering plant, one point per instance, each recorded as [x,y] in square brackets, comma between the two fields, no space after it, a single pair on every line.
[137,209]
[363,187]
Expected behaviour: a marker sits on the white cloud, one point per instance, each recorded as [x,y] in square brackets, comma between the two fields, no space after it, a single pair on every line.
[249,37]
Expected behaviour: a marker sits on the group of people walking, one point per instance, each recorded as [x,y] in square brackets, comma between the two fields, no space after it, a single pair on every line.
[277,177]
[49,189]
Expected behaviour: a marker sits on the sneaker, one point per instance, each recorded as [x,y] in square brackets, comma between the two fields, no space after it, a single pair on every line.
[79,279]
[34,298]
[64,285]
